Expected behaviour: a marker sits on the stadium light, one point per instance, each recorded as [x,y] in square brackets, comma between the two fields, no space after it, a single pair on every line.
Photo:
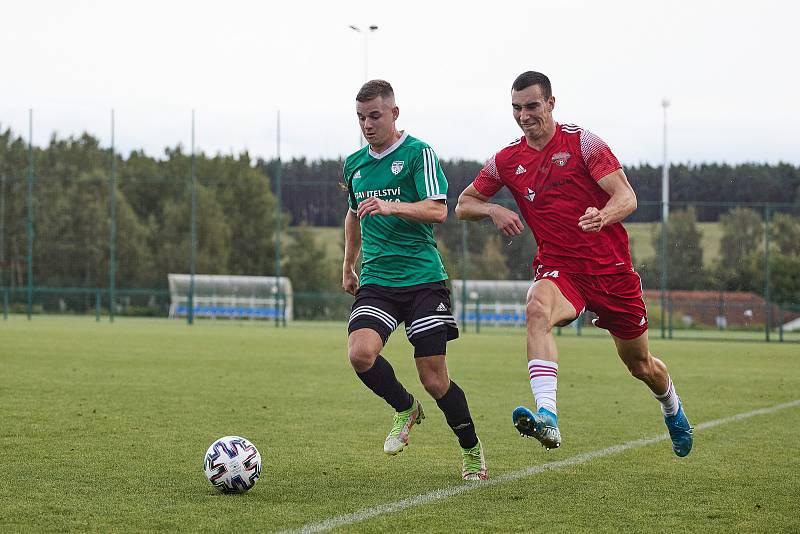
[365,33]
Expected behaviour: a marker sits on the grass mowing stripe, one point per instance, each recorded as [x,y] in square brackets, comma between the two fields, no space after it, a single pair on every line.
[436,495]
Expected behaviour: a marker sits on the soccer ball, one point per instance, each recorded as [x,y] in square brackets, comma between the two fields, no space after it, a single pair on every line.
[232,464]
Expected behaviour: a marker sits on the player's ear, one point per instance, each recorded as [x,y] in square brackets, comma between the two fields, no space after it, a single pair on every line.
[395,112]
[551,102]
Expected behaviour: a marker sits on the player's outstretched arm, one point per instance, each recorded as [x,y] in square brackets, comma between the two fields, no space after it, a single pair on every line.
[473,206]
[621,204]
[424,211]
[352,246]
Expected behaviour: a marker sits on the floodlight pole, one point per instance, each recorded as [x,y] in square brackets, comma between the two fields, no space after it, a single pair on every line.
[365,33]
[664,219]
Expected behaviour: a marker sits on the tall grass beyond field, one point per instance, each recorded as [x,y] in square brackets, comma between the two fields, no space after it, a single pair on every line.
[104,426]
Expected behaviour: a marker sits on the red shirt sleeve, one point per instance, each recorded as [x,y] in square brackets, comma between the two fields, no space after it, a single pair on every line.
[598,157]
[488,181]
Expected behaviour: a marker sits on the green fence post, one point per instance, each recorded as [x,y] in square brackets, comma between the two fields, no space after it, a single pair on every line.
[780,323]
[193,235]
[669,307]
[478,314]
[464,269]
[29,225]
[578,325]
[2,229]
[112,228]
[767,282]
[5,303]
[278,224]
[664,274]
[97,305]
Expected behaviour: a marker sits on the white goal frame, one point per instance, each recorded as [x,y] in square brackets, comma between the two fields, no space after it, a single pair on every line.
[219,296]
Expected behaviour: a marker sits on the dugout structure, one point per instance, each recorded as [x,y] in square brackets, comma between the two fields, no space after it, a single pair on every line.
[232,297]
[498,302]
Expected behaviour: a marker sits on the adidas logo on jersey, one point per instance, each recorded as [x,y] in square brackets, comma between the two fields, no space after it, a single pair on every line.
[441,307]
[357,175]
[520,169]
[530,194]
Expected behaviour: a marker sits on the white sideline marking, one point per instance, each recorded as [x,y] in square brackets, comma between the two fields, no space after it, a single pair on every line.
[436,495]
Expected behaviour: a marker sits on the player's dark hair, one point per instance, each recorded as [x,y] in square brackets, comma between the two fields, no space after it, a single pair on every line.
[529,78]
[374,89]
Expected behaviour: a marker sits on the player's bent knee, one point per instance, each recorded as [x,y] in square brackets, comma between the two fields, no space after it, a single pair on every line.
[361,359]
[537,313]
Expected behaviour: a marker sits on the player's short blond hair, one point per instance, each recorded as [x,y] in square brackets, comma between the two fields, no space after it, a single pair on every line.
[374,89]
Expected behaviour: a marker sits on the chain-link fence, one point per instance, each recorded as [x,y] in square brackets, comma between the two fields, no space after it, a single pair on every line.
[101,242]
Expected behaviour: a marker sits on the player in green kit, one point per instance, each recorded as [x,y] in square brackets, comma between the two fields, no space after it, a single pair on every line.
[396,191]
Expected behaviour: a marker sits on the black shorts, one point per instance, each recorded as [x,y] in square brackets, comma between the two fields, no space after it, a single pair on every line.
[424,308]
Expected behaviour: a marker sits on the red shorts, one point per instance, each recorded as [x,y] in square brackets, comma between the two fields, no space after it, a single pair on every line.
[615,298]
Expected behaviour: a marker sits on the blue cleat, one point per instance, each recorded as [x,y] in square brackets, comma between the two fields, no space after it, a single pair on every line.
[680,431]
[542,425]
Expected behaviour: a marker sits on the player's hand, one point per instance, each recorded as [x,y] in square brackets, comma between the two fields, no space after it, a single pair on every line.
[505,220]
[592,220]
[374,206]
[349,281]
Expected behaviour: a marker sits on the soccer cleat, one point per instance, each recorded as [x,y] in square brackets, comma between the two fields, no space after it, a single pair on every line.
[473,463]
[680,431]
[403,421]
[542,425]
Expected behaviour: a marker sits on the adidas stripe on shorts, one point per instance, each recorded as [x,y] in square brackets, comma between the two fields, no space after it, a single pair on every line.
[424,308]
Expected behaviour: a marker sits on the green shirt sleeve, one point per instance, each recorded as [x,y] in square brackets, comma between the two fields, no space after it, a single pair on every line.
[429,177]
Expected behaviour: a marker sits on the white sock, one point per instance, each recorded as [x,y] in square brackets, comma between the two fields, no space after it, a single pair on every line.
[544,382]
[669,400]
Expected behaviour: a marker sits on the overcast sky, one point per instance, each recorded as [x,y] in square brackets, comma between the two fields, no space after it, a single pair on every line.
[729,69]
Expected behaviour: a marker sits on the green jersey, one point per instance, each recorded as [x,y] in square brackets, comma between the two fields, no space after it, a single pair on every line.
[397,252]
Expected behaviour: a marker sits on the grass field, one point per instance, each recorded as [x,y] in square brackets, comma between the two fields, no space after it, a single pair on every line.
[107,425]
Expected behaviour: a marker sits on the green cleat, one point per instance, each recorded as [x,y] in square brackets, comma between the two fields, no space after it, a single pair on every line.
[403,421]
[474,464]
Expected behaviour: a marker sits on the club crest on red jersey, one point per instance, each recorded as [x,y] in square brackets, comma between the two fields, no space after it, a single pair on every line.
[560,158]
[397,166]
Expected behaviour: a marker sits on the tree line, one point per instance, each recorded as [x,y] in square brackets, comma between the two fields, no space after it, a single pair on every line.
[236,222]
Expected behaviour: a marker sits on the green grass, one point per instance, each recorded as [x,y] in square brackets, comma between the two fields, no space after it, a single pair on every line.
[105,426]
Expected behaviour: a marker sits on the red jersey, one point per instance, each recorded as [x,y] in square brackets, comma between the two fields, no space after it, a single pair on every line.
[553,187]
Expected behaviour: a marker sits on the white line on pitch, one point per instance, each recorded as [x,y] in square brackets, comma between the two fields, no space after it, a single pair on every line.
[436,495]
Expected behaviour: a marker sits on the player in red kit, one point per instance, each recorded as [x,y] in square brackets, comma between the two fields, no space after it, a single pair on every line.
[573,194]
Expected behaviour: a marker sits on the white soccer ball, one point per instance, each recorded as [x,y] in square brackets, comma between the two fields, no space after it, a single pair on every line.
[232,464]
